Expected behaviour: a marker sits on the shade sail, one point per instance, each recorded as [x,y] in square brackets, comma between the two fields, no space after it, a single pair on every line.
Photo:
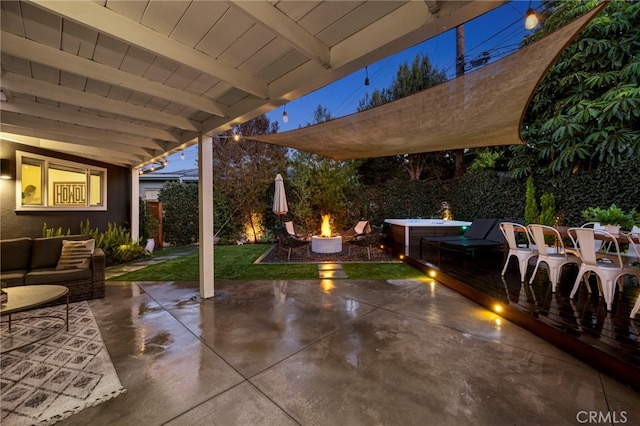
[481,108]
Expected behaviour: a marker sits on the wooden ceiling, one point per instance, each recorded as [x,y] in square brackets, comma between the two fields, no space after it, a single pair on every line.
[128,82]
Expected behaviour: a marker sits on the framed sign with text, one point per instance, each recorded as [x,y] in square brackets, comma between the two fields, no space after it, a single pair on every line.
[69,194]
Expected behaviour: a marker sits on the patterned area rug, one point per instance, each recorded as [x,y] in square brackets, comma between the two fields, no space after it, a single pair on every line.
[61,374]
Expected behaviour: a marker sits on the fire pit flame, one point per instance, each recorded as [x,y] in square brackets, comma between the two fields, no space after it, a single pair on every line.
[325,230]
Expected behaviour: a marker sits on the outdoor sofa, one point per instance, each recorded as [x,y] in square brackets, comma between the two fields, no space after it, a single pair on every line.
[36,261]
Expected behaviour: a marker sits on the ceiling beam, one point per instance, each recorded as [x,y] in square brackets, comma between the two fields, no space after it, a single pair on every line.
[10,134]
[103,136]
[107,146]
[77,117]
[98,17]
[271,18]
[433,6]
[408,25]
[55,58]
[54,92]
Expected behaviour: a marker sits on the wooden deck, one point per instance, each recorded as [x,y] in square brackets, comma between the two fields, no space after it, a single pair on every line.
[609,341]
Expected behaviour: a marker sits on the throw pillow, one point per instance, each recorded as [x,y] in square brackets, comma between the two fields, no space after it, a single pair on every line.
[76,254]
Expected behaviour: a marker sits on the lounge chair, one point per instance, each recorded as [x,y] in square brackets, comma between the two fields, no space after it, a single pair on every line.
[369,240]
[291,230]
[289,242]
[360,228]
[493,240]
[478,229]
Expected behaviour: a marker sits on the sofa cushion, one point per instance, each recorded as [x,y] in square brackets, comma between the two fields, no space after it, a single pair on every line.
[76,254]
[13,278]
[52,276]
[15,254]
[45,252]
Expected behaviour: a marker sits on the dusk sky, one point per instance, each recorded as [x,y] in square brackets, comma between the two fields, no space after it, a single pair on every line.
[497,32]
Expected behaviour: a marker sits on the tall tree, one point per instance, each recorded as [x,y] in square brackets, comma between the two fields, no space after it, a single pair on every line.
[321,185]
[586,111]
[409,79]
[244,171]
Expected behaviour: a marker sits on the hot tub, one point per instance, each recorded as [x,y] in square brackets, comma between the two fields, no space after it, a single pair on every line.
[407,232]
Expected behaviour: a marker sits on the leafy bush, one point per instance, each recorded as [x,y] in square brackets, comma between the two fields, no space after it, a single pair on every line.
[531,212]
[486,193]
[547,209]
[606,185]
[53,232]
[613,215]
[268,236]
[148,224]
[180,220]
[225,220]
[127,253]
[116,243]
[396,198]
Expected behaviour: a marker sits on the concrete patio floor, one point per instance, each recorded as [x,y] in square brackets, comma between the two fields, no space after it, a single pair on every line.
[335,352]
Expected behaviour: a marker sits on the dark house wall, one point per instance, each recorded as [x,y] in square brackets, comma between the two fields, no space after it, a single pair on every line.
[29,224]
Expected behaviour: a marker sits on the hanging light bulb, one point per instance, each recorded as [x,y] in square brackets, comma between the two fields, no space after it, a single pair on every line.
[366,79]
[530,20]
[285,117]
[236,137]
[182,155]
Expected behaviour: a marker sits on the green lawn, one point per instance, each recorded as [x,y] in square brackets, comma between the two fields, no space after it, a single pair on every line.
[236,263]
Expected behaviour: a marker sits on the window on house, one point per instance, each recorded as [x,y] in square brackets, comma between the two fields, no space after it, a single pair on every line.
[151,194]
[50,183]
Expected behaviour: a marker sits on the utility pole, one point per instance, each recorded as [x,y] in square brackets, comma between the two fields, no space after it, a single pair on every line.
[459,153]
[459,51]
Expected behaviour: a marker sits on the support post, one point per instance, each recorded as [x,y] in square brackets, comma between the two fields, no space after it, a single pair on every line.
[205,209]
[135,204]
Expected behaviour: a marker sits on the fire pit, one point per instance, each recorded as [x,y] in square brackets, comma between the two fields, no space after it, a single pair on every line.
[326,242]
[320,244]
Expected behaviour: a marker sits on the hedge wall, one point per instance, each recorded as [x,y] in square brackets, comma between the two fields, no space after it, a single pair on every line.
[488,193]
[484,193]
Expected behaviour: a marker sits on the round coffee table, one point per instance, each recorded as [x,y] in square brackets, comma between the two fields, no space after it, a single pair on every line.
[26,297]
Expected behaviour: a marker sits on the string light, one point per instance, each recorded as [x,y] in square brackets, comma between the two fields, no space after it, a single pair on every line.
[153,167]
[530,19]
[285,117]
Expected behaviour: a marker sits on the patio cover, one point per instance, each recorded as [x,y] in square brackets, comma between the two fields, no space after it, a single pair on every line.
[482,108]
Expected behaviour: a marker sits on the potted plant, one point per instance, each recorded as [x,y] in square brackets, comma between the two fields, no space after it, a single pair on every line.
[612,218]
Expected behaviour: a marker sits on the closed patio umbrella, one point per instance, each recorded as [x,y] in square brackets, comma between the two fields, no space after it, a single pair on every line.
[280,198]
